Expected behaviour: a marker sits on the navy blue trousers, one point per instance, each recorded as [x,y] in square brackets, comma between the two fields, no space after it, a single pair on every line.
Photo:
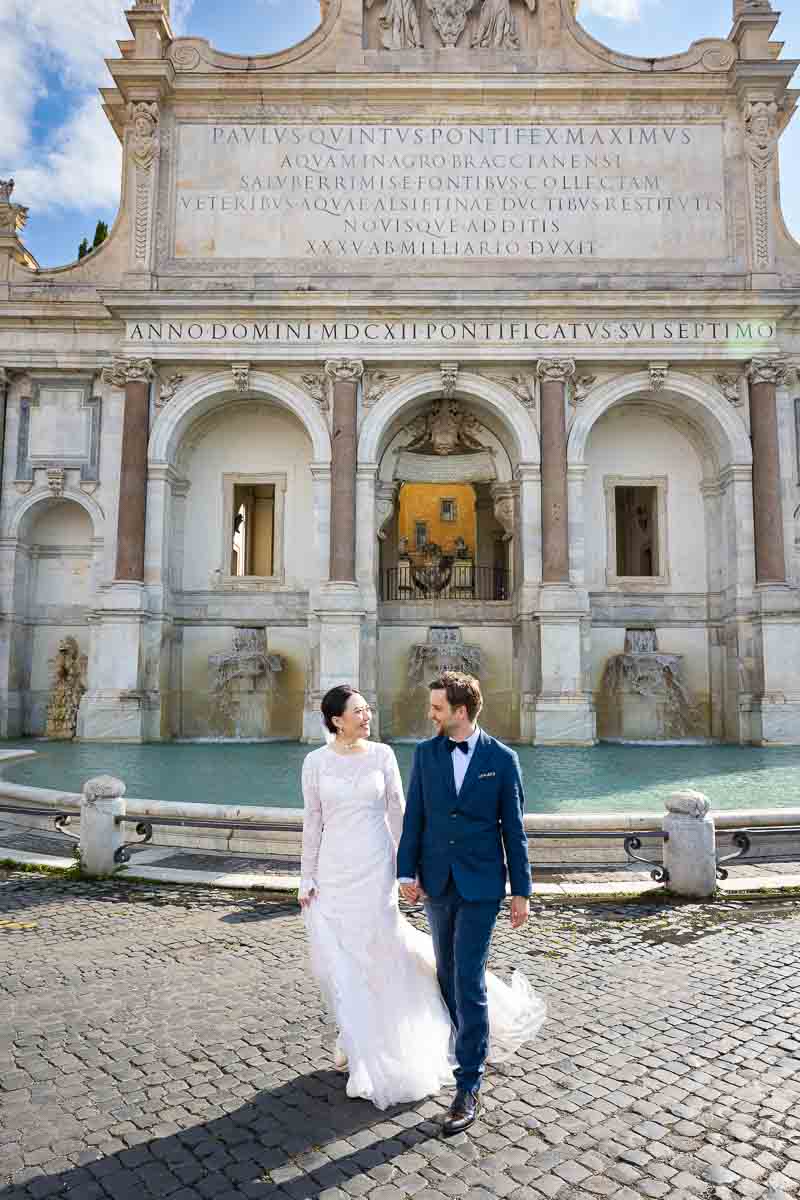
[462,931]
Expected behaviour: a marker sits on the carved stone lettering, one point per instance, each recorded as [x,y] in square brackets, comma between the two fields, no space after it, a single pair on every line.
[342,193]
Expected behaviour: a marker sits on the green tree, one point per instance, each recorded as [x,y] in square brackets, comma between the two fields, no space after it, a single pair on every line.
[100,235]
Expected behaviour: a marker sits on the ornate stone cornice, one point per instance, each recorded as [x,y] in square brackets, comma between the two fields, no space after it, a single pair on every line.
[128,370]
[555,370]
[344,370]
[768,370]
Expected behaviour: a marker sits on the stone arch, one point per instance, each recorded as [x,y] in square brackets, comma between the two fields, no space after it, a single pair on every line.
[697,403]
[199,397]
[25,512]
[498,404]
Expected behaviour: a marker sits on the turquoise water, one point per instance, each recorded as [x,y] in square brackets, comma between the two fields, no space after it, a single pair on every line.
[602,779]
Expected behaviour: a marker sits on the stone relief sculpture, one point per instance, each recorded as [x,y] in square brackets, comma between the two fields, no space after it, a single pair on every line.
[497,29]
[144,139]
[168,388]
[144,148]
[445,429]
[66,690]
[760,139]
[449,18]
[399,24]
[376,384]
[12,216]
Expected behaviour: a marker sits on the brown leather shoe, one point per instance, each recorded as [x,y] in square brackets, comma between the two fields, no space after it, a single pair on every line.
[461,1113]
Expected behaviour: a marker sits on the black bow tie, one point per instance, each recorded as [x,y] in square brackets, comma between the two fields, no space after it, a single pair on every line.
[462,746]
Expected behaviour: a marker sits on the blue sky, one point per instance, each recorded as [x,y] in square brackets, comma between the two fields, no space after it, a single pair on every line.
[55,140]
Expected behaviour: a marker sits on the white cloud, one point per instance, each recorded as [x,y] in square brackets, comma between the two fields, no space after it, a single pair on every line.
[617,10]
[76,164]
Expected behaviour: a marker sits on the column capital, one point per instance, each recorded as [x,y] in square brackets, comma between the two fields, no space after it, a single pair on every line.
[344,370]
[772,370]
[128,370]
[555,370]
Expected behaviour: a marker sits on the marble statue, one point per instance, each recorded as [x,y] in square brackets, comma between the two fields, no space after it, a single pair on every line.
[68,686]
[400,25]
[496,28]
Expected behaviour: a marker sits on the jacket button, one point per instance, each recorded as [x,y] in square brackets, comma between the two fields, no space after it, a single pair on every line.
[452,843]
[453,816]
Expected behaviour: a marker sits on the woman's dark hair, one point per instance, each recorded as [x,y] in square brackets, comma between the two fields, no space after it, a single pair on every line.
[334,703]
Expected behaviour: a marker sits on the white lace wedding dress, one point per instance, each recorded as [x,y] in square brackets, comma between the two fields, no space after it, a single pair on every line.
[376,971]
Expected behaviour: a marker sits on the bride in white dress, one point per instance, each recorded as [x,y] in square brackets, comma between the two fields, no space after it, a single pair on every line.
[377,973]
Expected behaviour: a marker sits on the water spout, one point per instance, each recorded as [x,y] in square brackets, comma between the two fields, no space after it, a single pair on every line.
[643,696]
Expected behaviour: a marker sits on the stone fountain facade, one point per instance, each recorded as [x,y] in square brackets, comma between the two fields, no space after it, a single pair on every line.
[556,296]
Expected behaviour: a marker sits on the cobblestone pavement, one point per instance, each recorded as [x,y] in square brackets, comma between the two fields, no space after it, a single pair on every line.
[157,1041]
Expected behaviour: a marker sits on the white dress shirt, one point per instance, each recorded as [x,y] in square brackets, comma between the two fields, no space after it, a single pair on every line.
[461,760]
[461,763]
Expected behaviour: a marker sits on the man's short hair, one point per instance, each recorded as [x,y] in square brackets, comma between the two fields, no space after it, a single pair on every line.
[460,689]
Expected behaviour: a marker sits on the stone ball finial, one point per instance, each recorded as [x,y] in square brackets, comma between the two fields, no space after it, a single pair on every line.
[103,787]
[688,803]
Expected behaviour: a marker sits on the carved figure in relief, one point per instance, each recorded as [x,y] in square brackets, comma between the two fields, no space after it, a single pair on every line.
[449,18]
[760,132]
[399,23]
[68,686]
[6,190]
[144,139]
[496,26]
[444,430]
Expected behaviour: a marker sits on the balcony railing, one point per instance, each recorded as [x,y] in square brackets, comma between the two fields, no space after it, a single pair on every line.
[445,581]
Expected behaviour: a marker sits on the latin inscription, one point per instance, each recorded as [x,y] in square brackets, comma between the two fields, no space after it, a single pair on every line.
[454,191]
[465,333]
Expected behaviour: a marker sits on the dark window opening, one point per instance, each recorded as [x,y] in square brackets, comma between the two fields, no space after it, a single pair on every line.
[637,531]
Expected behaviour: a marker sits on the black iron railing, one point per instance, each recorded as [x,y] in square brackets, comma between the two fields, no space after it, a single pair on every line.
[743,840]
[445,581]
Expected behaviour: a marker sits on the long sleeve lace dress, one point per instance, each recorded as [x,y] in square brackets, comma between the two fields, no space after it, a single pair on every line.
[377,973]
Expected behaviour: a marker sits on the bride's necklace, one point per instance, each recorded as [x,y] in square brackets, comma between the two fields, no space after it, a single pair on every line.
[347,745]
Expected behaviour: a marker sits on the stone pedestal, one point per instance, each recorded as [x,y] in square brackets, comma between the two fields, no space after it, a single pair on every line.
[117,707]
[564,714]
[775,706]
[102,801]
[690,849]
[337,648]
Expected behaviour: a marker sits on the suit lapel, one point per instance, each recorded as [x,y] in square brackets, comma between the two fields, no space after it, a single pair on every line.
[477,763]
[446,770]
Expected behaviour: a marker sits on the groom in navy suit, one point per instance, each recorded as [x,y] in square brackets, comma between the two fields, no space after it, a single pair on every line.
[463,827]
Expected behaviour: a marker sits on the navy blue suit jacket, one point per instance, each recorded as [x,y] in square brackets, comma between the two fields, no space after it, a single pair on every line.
[471,835]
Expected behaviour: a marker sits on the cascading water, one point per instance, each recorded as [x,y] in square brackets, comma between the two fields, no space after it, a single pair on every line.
[642,695]
[242,683]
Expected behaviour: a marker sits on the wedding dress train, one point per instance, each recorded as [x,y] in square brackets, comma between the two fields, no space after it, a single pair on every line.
[376,971]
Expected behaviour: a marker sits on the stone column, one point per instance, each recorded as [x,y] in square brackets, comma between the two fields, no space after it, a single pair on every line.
[134,375]
[554,374]
[345,374]
[765,375]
